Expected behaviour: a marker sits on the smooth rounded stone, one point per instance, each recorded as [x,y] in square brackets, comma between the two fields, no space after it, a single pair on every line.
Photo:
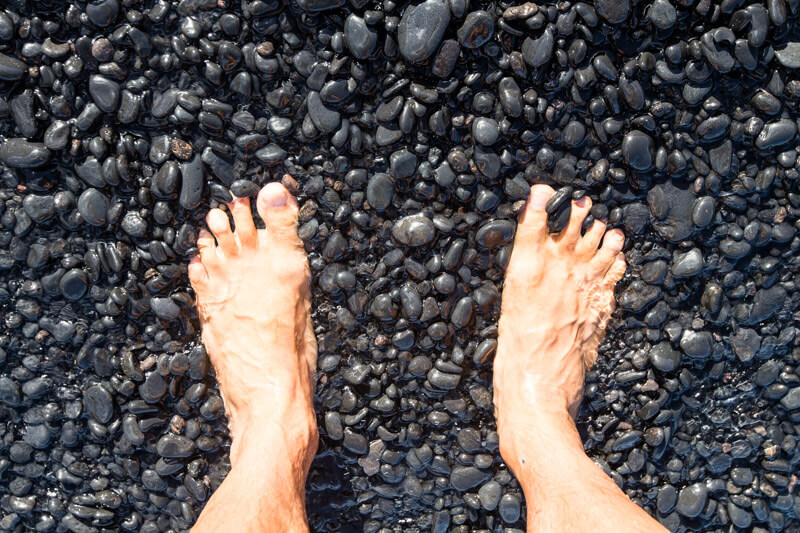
[102,12]
[697,344]
[745,344]
[174,446]
[271,155]
[703,211]
[662,14]
[192,183]
[664,357]
[638,150]
[244,188]
[74,284]
[485,131]
[688,264]
[476,30]
[421,30]
[446,58]
[766,302]
[11,68]
[91,172]
[56,136]
[692,500]
[105,93]
[359,37]
[165,308]
[154,388]
[380,190]
[495,233]
[98,403]
[776,134]
[537,52]
[134,225]
[792,399]
[10,393]
[510,508]
[20,153]
[325,119]
[93,207]
[463,478]
[414,230]
[490,494]
[354,442]
[387,135]
[39,208]
[613,11]
[789,54]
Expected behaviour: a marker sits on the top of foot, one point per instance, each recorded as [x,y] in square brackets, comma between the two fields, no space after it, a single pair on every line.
[252,289]
[557,298]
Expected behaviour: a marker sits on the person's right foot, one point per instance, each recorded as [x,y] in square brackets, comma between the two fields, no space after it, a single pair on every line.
[557,297]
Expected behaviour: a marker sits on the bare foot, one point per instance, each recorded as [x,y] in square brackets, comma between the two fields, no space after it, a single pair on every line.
[252,290]
[558,296]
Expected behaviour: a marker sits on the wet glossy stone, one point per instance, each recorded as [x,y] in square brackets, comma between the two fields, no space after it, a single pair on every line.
[414,230]
[421,29]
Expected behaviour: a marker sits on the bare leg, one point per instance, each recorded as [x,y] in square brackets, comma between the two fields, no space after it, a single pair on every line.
[253,302]
[558,296]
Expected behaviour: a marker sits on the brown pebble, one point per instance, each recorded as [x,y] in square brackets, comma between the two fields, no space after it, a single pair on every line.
[102,49]
[181,149]
[523,11]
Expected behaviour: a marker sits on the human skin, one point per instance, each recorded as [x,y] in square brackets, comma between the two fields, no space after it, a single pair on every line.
[543,352]
[252,289]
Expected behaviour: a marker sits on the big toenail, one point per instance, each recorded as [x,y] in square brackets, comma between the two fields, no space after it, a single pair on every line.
[581,202]
[618,236]
[278,200]
[539,197]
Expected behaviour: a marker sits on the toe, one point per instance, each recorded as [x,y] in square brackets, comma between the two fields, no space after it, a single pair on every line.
[612,246]
[243,219]
[617,270]
[220,226]
[198,276]
[532,226]
[278,208]
[580,209]
[587,245]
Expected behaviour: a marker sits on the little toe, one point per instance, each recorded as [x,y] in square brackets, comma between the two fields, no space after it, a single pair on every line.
[243,219]
[587,245]
[278,208]
[580,209]
[532,227]
[605,256]
[198,275]
[220,226]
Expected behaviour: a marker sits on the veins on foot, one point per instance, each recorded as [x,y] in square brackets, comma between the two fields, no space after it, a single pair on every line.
[252,290]
[557,298]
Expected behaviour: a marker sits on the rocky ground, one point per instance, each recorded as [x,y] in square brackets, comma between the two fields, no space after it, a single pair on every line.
[411,134]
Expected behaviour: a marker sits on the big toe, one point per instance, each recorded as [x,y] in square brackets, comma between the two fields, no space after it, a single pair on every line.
[532,227]
[278,208]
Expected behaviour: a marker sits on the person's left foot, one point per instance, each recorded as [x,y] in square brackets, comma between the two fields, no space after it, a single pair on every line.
[252,290]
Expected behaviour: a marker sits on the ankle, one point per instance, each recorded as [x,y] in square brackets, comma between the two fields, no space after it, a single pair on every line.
[533,439]
[289,433]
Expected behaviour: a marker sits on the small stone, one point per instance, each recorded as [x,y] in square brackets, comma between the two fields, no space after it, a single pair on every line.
[421,30]
[476,30]
[98,403]
[463,478]
[93,207]
[174,446]
[414,230]
[20,153]
[692,500]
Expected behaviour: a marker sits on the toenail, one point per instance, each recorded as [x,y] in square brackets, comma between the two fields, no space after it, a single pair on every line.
[539,197]
[618,236]
[278,200]
[581,202]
